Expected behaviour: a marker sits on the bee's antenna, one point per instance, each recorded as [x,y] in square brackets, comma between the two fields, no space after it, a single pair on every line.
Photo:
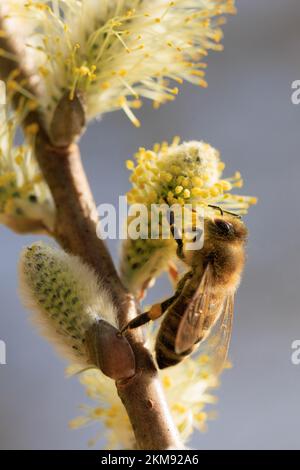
[217,207]
[222,211]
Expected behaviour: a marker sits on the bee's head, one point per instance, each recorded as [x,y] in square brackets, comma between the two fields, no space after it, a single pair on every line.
[227,228]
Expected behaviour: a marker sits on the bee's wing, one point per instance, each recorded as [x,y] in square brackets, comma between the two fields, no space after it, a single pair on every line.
[192,320]
[217,344]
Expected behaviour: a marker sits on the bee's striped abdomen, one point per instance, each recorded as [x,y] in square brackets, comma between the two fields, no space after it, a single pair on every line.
[166,355]
[165,342]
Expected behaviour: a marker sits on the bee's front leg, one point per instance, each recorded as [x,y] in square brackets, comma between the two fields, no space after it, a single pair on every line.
[179,240]
[173,274]
[146,285]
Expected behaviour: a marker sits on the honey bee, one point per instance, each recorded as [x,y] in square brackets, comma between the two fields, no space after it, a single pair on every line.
[201,310]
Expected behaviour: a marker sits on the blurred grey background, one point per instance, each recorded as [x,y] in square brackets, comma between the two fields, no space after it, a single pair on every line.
[247,113]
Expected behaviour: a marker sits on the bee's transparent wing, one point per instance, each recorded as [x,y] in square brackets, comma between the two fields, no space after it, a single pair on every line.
[216,346]
[192,321]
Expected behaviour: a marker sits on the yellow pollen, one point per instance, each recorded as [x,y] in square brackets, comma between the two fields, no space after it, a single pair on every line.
[185,182]
[167,382]
[204,375]
[178,189]
[201,416]
[105,85]
[197,181]
[179,408]
[7,178]
[214,191]
[19,159]
[97,412]
[175,141]
[167,177]
[129,165]
[203,359]
[226,185]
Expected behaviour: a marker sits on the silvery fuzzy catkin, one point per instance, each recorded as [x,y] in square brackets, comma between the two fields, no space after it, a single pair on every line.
[65,296]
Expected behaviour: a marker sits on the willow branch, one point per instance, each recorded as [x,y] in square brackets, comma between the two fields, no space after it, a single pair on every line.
[75,231]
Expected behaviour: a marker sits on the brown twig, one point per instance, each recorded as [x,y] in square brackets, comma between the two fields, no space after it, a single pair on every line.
[75,230]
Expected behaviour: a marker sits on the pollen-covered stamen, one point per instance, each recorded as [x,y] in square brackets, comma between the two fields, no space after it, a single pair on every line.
[85,46]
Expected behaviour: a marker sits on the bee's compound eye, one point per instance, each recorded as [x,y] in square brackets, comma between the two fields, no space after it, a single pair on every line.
[223,227]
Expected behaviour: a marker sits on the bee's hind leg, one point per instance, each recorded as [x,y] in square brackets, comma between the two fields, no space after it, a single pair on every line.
[155,312]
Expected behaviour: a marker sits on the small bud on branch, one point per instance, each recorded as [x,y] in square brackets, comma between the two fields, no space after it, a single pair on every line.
[68,120]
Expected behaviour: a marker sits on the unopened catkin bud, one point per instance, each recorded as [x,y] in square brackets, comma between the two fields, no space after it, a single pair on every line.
[68,302]
[68,120]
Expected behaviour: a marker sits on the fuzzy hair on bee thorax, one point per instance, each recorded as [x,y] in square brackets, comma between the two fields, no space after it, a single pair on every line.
[224,249]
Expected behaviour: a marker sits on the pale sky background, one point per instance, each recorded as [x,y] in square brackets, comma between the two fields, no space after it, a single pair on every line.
[247,114]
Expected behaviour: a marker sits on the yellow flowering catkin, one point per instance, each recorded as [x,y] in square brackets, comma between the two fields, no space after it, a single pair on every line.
[187,388]
[188,173]
[116,52]
[25,199]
